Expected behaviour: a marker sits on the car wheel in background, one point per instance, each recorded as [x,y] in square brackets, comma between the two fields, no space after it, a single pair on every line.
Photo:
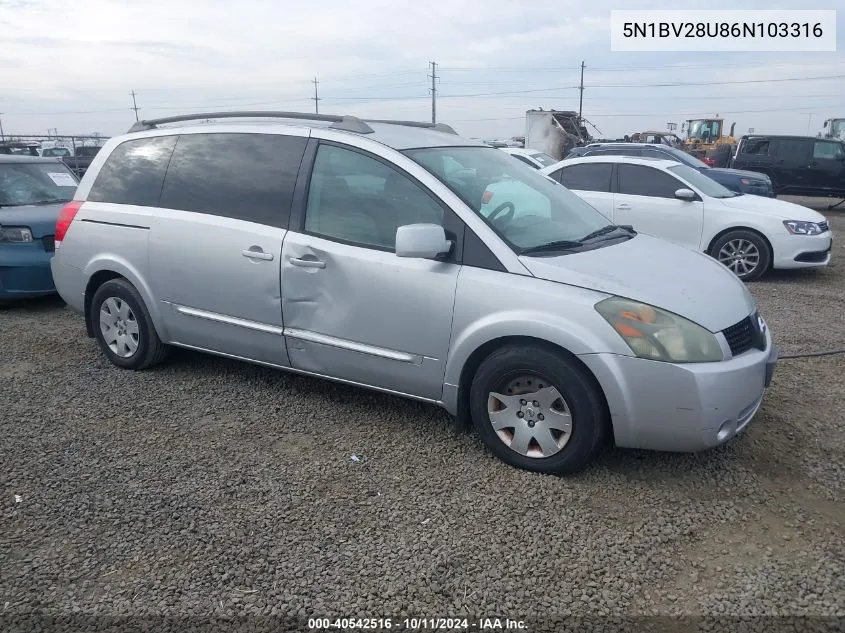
[123,328]
[745,253]
[538,410]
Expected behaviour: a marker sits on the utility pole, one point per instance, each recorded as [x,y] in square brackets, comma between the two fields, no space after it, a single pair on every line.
[135,106]
[433,92]
[315,98]
[581,88]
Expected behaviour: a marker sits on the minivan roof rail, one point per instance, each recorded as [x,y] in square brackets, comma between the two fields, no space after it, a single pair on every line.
[339,122]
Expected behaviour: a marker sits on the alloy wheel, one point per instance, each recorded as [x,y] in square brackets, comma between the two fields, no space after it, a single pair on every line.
[741,256]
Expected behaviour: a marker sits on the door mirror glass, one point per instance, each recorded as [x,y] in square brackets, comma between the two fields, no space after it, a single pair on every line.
[685,194]
[424,241]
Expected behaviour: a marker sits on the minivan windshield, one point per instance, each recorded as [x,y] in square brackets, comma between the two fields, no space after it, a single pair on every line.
[24,183]
[704,184]
[528,210]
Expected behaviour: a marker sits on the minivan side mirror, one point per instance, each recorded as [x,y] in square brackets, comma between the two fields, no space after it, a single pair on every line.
[688,195]
[424,241]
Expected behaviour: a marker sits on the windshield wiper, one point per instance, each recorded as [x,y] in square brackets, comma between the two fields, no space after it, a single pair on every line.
[610,228]
[50,201]
[557,245]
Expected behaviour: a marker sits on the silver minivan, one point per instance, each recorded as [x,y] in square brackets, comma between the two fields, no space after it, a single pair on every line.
[401,257]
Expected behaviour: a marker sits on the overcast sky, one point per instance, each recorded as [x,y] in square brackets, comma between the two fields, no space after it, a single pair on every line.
[71,65]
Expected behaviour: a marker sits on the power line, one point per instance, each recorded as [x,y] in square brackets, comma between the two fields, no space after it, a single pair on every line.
[658,85]
[618,68]
[657,114]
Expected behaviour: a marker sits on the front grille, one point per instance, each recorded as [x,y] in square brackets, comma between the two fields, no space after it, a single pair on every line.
[49,243]
[740,336]
[823,226]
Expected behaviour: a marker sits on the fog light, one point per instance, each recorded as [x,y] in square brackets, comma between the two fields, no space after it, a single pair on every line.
[725,431]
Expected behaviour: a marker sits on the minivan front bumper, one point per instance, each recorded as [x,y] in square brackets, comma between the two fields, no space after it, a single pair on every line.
[682,407]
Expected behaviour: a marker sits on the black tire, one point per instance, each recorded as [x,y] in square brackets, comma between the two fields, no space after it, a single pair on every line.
[589,417]
[764,261]
[150,350]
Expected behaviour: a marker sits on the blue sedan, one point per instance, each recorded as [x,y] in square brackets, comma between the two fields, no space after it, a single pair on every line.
[32,192]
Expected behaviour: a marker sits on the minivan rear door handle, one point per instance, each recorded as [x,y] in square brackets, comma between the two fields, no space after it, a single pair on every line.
[255,252]
[307,263]
[623,205]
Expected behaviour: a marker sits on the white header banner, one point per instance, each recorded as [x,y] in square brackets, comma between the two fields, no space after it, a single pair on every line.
[769,30]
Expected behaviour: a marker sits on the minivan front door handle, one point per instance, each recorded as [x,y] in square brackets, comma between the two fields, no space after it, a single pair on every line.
[623,206]
[257,254]
[307,263]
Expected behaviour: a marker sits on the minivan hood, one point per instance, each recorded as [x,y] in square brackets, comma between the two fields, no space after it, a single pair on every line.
[41,219]
[773,207]
[644,268]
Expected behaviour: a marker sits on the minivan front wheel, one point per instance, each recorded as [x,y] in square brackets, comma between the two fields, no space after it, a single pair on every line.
[123,328]
[537,409]
[744,253]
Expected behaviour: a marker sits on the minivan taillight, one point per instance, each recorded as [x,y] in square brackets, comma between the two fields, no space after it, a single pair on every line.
[66,216]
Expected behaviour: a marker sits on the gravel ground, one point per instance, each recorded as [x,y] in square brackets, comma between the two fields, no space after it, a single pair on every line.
[211,488]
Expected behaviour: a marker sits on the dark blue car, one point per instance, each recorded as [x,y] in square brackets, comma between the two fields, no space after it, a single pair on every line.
[32,192]
[736,180]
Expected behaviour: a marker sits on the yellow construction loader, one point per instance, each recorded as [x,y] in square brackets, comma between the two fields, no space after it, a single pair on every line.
[705,139]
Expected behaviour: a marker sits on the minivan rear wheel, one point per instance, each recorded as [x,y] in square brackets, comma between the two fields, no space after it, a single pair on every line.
[537,410]
[123,328]
[744,253]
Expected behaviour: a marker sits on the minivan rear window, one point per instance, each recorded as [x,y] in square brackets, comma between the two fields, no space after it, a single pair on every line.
[247,177]
[134,172]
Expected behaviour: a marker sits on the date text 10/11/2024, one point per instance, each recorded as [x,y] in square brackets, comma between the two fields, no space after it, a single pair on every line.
[416,624]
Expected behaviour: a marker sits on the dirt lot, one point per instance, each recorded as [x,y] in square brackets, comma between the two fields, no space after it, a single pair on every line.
[208,487]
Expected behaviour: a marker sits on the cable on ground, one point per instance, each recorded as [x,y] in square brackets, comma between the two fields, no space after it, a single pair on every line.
[829,352]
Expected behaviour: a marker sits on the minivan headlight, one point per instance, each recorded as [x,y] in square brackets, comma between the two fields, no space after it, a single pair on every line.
[655,334]
[17,234]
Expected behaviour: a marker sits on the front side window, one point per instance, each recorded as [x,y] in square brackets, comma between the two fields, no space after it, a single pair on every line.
[134,172]
[247,177]
[358,199]
[528,210]
[35,183]
[756,147]
[641,180]
[587,177]
[828,150]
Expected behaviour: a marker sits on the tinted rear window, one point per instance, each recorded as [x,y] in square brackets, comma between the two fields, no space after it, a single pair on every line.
[243,176]
[134,172]
[587,177]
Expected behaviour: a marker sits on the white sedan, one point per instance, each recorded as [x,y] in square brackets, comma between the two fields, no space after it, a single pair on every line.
[669,200]
[532,157]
